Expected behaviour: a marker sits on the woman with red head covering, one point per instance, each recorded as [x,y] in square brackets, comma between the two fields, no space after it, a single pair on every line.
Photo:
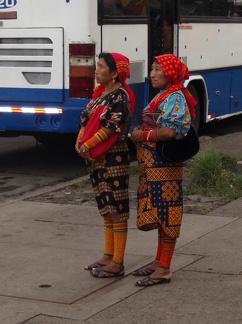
[99,141]
[160,187]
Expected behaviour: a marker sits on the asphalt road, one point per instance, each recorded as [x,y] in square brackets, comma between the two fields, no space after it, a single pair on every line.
[222,127]
[26,165]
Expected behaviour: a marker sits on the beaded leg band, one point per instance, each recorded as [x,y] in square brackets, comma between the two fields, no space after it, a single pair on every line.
[168,247]
[120,237]
[109,237]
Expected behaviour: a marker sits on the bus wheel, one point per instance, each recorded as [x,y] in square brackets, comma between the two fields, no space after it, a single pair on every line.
[196,121]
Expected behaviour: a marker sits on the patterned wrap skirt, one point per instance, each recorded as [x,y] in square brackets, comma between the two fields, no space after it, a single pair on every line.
[110,181]
[160,189]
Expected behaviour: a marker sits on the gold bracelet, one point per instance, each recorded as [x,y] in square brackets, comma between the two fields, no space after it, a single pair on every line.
[148,136]
[84,150]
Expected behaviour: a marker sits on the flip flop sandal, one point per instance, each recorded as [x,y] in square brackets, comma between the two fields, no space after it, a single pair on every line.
[94,265]
[147,282]
[100,273]
[143,272]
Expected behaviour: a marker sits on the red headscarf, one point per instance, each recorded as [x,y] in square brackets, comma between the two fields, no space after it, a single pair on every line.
[175,71]
[123,69]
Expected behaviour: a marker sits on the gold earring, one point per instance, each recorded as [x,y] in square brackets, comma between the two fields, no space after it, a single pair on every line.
[114,81]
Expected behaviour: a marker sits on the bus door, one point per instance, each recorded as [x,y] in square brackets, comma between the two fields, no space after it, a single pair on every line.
[161,27]
[124,29]
[161,30]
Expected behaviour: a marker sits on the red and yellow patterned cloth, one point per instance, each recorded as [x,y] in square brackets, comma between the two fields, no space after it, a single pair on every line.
[122,64]
[175,71]
[123,68]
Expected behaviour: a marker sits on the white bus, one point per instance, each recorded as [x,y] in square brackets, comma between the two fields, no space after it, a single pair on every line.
[48,50]
[209,41]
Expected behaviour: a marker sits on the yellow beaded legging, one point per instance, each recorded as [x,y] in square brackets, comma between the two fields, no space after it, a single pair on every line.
[115,240]
[108,238]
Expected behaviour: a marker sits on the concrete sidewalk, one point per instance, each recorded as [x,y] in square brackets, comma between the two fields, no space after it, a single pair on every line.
[44,247]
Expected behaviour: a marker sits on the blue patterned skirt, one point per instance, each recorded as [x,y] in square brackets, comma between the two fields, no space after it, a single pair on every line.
[160,189]
[110,181]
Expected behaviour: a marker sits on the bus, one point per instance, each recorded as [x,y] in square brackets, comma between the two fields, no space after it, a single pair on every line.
[48,50]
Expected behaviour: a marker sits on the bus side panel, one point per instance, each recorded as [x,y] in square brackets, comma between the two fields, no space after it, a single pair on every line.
[236,91]
[224,92]
[218,87]
[31,123]
[24,96]
[130,40]
[38,123]
[212,51]
[35,64]
[31,59]
[141,91]
[205,46]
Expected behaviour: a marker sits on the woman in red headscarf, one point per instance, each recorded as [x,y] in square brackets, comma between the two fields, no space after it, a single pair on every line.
[160,187]
[102,142]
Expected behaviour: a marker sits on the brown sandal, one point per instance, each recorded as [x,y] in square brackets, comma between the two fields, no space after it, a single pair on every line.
[94,265]
[100,273]
[143,272]
[147,282]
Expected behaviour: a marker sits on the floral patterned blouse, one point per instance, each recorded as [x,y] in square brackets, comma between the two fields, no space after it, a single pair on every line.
[173,112]
[115,109]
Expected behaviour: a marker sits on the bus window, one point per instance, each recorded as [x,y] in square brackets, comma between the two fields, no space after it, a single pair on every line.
[211,8]
[125,8]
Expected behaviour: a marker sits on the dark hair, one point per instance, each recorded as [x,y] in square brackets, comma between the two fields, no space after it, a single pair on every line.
[110,61]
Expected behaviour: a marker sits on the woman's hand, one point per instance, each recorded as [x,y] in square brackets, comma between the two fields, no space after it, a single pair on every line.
[136,135]
[162,134]
[77,146]
[83,151]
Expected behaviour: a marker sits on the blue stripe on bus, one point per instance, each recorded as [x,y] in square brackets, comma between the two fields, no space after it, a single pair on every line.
[33,95]
[67,122]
